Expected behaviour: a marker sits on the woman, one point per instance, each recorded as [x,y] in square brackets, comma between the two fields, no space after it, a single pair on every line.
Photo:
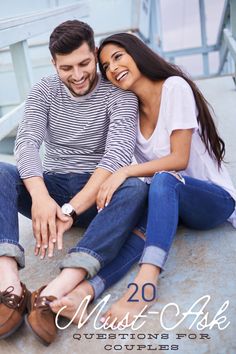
[179,152]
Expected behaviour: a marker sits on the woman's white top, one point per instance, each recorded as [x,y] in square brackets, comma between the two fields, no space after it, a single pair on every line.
[178,110]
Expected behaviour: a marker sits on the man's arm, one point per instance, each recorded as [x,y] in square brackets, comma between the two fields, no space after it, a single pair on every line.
[31,132]
[122,110]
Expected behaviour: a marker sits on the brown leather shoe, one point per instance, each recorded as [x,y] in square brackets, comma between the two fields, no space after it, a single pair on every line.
[41,319]
[12,309]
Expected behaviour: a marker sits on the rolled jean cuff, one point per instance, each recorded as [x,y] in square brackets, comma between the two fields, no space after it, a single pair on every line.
[82,260]
[154,255]
[98,286]
[10,249]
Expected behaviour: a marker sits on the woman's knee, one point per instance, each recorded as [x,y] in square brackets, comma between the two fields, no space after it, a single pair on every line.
[163,182]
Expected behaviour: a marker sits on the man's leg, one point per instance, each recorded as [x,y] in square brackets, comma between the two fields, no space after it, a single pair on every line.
[109,230]
[129,254]
[103,239]
[11,252]
[13,293]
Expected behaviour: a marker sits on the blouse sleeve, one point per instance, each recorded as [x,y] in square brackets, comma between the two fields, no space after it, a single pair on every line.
[181,110]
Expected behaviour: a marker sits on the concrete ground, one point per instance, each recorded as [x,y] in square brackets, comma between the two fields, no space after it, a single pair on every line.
[200,264]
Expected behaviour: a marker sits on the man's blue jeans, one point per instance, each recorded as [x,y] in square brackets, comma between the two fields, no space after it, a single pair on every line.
[199,205]
[107,230]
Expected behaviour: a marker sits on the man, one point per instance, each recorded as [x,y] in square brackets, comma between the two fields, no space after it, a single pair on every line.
[89,130]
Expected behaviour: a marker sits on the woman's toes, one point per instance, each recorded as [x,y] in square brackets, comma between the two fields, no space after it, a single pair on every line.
[105,317]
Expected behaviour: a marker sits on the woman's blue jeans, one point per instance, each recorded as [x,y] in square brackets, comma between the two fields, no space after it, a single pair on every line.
[199,205]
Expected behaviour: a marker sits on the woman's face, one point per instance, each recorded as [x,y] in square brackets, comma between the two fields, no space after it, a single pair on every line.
[119,66]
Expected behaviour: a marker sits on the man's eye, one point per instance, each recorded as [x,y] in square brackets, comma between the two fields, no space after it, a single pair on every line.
[85,64]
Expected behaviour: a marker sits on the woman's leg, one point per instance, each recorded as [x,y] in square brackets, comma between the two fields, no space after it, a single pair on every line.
[200,205]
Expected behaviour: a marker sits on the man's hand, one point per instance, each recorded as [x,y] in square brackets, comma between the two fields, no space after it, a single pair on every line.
[44,213]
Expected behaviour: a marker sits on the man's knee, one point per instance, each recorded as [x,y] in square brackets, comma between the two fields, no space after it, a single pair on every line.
[135,186]
[8,171]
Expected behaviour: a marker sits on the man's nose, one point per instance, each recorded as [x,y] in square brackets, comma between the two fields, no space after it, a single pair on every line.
[77,74]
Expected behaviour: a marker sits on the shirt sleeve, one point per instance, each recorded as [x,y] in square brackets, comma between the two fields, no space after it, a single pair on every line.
[31,131]
[121,138]
[181,110]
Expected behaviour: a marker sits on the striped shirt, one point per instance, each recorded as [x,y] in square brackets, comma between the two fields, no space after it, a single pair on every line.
[80,133]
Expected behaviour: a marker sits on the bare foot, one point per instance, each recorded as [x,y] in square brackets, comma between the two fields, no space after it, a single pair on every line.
[9,276]
[141,294]
[64,283]
[72,302]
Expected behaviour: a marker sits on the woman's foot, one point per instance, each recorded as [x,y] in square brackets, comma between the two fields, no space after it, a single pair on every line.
[72,302]
[138,298]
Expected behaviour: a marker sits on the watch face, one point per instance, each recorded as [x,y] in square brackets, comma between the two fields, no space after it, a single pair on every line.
[67,209]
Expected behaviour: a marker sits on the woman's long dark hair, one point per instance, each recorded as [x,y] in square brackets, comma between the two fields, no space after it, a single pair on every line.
[155,68]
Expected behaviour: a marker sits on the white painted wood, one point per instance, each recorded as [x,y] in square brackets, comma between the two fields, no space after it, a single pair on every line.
[21,28]
[10,120]
[22,67]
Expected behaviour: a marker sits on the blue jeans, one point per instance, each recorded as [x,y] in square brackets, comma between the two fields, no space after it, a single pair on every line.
[199,205]
[106,233]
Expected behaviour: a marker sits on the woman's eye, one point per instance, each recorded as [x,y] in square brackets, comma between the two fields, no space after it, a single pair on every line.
[105,67]
[117,56]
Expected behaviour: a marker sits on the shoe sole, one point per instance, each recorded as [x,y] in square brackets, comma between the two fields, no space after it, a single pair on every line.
[8,334]
[41,340]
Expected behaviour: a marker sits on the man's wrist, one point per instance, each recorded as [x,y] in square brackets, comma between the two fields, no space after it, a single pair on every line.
[68,210]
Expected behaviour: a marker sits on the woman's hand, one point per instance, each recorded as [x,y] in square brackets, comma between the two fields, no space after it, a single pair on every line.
[109,187]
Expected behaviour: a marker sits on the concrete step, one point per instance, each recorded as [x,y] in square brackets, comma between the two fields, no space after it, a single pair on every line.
[199,264]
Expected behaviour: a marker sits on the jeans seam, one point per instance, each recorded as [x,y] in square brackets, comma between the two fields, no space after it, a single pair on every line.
[87,250]
[11,242]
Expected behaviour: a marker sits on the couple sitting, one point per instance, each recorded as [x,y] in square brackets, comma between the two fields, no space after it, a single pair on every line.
[91,129]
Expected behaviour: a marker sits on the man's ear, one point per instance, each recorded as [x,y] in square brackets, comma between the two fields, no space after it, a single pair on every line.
[53,62]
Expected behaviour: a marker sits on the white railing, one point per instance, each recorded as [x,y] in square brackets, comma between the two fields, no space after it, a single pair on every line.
[14,33]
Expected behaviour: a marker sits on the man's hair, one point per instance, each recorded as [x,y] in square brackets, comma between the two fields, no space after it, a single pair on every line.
[69,36]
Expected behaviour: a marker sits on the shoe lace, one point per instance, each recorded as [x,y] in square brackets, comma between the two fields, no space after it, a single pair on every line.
[8,298]
[43,303]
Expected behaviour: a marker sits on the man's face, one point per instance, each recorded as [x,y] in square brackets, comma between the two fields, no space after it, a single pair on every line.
[77,70]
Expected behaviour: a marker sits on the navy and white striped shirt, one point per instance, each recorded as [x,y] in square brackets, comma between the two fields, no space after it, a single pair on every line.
[80,133]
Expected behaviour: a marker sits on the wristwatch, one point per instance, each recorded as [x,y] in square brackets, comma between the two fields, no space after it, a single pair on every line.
[67,209]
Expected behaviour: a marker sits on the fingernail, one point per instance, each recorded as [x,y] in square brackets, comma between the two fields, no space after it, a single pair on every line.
[45,246]
[102,319]
[100,210]
[54,240]
[106,204]
[38,246]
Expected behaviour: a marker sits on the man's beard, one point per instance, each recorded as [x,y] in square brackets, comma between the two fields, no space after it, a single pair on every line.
[84,91]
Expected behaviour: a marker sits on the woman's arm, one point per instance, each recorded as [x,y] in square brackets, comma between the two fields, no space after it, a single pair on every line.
[177,160]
